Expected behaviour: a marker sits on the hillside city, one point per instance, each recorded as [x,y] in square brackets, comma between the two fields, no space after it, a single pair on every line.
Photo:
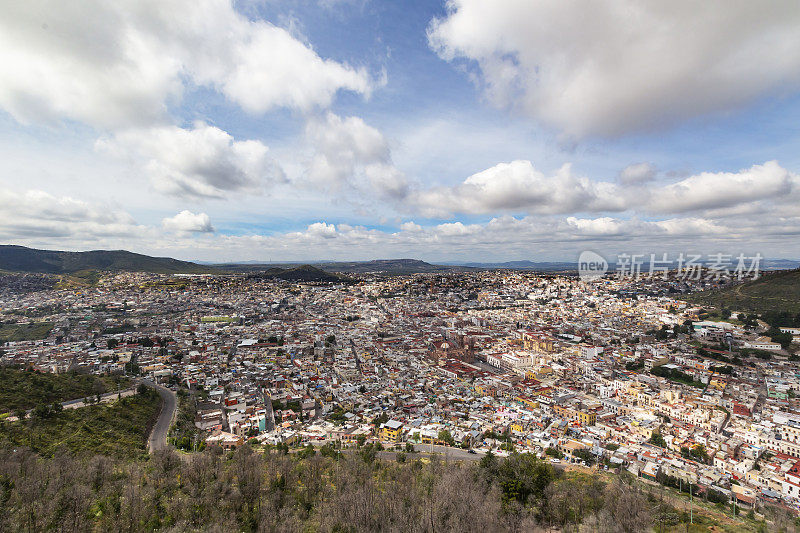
[605,375]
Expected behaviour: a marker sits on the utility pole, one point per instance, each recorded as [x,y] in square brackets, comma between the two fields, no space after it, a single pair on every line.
[691,516]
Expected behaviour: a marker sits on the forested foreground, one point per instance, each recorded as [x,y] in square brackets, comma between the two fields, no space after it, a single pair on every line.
[248,491]
[117,429]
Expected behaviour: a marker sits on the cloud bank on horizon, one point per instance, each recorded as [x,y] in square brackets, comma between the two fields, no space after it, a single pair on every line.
[458,130]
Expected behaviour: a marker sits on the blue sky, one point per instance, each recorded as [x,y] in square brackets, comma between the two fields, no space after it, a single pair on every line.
[361,129]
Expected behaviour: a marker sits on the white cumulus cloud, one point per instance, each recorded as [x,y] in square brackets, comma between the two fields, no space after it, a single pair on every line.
[321,230]
[203,161]
[122,63]
[519,186]
[188,222]
[610,67]
[714,190]
[351,153]
[38,215]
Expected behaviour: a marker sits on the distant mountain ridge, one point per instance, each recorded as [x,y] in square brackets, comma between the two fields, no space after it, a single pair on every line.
[386,266]
[538,266]
[22,259]
[15,258]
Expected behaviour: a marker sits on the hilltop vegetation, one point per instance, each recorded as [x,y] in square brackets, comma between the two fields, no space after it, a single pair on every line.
[388,266]
[31,331]
[326,492]
[26,389]
[22,259]
[301,273]
[117,429]
[773,291]
[78,280]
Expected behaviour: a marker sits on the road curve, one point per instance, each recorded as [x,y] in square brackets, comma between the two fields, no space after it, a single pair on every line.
[169,404]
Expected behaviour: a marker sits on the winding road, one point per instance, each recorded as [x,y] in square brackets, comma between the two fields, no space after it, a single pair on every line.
[169,404]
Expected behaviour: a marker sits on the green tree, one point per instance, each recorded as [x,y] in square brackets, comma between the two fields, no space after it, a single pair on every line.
[368,453]
[522,478]
[784,339]
[41,411]
[328,450]
[699,452]
[585,455]
[488,461]
[554,452]
[446,437]
[307,452]
[658,440]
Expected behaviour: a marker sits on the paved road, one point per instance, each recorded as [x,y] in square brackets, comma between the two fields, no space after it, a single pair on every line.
[107,397]
[80,402]
[158,435]
[451,453]
[422,450]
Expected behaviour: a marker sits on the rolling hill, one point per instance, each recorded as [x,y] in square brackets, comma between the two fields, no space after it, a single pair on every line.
[773,291]
[377,266]
[22,259]
[388,266]
[302,273]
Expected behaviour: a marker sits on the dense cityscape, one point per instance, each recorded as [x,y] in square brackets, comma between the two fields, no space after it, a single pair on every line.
[610,374]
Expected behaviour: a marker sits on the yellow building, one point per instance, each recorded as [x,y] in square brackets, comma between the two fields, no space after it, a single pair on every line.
[538,343]
[529,403]
[584,416]
[587,418]
[391,431]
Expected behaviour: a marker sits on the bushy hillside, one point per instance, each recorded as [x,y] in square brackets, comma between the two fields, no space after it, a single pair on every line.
[388,266]
[26,389]
[246,491]
[301,273]
[29,331]
[773,291]
[22,259]
[116,429]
